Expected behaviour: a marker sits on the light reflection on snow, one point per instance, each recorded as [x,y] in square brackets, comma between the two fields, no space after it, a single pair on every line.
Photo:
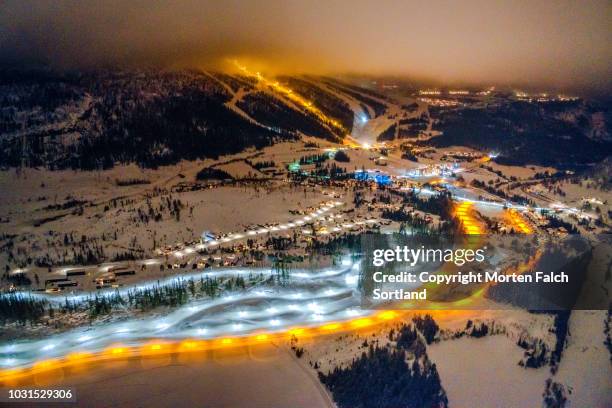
[309,298]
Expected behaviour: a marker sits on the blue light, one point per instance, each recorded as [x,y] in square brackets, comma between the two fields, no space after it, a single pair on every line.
[380,178]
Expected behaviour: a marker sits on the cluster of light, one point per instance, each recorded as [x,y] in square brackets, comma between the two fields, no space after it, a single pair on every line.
[440,102]
[434,170]
[359,323]
[469,223]
[323,208]
[429,92]
[544,97]
[292,96]
[459,92]
[78,356]
[518,223]
[351,142]
[331,327]
[187,345]
[565,98]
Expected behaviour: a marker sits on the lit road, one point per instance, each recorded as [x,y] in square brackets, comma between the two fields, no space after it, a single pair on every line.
[321,214]
[307,299]
[315,215]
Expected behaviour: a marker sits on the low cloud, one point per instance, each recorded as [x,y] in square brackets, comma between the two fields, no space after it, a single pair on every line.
[561,44]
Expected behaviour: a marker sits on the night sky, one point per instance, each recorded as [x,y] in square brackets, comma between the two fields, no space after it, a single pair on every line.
[564,44]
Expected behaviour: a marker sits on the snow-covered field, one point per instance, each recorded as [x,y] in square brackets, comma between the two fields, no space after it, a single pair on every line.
[474,371]
[484,372]
[260,376]
[586,369]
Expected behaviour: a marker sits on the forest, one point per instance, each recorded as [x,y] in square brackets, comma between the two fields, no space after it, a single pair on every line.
[96,120]
[524,133]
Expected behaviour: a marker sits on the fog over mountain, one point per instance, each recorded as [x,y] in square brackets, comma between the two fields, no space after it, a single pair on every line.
[561,44]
